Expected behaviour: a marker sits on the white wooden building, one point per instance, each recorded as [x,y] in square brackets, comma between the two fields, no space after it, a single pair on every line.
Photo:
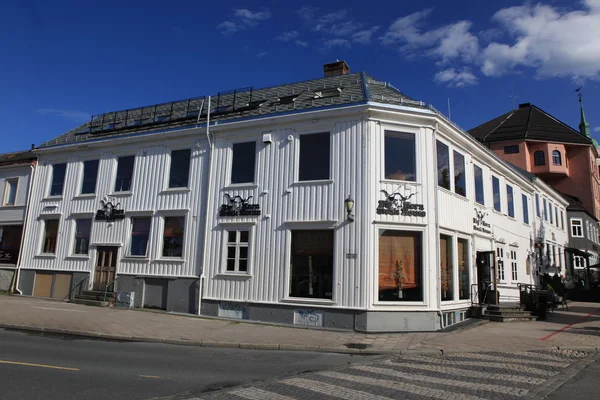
[268,231]
[16,170]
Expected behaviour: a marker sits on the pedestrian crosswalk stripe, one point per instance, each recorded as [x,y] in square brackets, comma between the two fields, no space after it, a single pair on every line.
[396,385]
[490,357]
[546,356]
[332,390]
[259,394]
[443,381]
[473,374]
[458,363]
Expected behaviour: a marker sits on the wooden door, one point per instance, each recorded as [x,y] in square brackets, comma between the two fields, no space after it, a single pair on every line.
[106,266]
[43,285]
[485,261]
[62,286]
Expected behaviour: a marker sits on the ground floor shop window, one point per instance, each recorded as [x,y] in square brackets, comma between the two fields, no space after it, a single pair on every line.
[464,268]
[10,243]
[400,268]
[446,268]
[311,272]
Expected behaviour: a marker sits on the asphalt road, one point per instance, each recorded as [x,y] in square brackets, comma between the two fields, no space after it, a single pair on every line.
[37,367]
[584,385]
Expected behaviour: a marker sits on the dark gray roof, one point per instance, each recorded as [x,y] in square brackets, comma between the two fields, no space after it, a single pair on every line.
[18,157]
[526,174]
[528,122]
[243,103]
[575,205]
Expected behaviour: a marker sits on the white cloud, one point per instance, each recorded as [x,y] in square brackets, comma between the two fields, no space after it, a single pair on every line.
[597,129]
[329,44]
[251,18]
[553,41]
[456,78]
[287,36]
[337,23]
[73,115]
[449,42]
[364,36]
[261,54]
[229,28]
[244,19]
[301,43]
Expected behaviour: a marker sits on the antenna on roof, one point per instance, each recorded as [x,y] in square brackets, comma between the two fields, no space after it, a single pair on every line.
[449,113]
[512,97]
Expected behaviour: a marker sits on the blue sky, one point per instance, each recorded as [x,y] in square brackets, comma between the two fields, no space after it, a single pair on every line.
[64,60]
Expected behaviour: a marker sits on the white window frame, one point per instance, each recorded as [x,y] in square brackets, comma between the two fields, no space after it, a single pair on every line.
[131,219]
[255,174]
[500,264]
[499,194]
[513,265]
[237,245]
[161,241]
[580,226]
[74,235]
[7,183]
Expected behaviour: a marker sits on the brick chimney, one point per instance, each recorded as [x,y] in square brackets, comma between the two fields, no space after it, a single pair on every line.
[336,68]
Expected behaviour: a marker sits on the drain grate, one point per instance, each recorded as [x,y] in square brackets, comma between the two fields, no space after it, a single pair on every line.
[360,346]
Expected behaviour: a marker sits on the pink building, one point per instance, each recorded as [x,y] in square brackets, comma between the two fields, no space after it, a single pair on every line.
[535,141]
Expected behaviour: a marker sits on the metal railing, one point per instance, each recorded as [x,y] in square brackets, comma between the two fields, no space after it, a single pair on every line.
[70,295]
[107,286]
[479,293]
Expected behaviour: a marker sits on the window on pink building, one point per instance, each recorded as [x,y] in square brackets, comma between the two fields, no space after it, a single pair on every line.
[556,158]
[539,158]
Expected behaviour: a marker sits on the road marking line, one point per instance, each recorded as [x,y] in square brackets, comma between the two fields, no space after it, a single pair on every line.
[37,365]
[332,390]
[150,376]
[259,394]
[458,363]
[570,325]
[396,385]
[465,372]
[57,309]
[509,359]
[443,381]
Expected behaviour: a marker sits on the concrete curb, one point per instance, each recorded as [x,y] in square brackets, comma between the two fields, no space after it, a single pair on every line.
[229,345]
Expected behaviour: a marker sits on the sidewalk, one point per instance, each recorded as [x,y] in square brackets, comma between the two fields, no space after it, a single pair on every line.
[577,328]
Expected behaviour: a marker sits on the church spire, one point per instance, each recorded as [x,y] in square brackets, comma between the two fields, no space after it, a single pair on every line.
[584,127]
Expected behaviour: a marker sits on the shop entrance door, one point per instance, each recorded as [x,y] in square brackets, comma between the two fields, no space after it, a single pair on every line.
[485,262]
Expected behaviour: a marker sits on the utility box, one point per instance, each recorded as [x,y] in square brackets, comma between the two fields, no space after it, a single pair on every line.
[124,299]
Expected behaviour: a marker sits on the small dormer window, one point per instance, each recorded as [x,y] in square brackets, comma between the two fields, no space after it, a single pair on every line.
[255,104]
[539,158]
[556,157]
[325,93]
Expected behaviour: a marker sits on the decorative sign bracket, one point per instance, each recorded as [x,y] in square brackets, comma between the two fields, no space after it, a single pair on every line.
[110,210]
[237,206]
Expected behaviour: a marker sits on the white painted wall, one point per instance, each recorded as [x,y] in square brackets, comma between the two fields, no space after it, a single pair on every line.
[14,214]
[149,196]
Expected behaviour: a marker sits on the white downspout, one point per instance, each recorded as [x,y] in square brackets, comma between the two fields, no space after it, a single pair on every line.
[209,208]
[15,286]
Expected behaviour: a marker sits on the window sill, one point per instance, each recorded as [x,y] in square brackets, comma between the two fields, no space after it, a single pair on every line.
[48,256]
[233,186]
[309,183]
[304,300]
[78,257]
[84,196]
[8,266]
[121,194]
[176,190]
[52,198]
[8,206]
[136,258]
[171,260]
[461,197]
[395,182]
[233,275]
[399,303]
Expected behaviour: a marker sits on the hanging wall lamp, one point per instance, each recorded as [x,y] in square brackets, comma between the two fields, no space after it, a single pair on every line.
[349,203]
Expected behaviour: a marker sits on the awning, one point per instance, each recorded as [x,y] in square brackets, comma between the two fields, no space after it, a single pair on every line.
[577,252]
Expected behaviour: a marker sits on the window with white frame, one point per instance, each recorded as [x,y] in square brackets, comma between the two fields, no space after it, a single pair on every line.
[510,201]
[443,165]
[237,250]
[524,201]
[10,192]
[58,179]
[578,262]
[478,178]
[315,157]
[513,265]
[50,236]
[500,262]
[90,176]
[400,156]
[140,236]
[537,206]
[587,229]
[173,237]
[243,162]
[460,182]
[551,213]
[179,173]
[562,220]
[496,193]
[83,228]
[545,210]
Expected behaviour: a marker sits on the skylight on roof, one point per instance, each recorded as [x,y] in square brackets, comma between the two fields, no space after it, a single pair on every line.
[329,92]
[161,118]
[134,122]
[254,104]
[193,113]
